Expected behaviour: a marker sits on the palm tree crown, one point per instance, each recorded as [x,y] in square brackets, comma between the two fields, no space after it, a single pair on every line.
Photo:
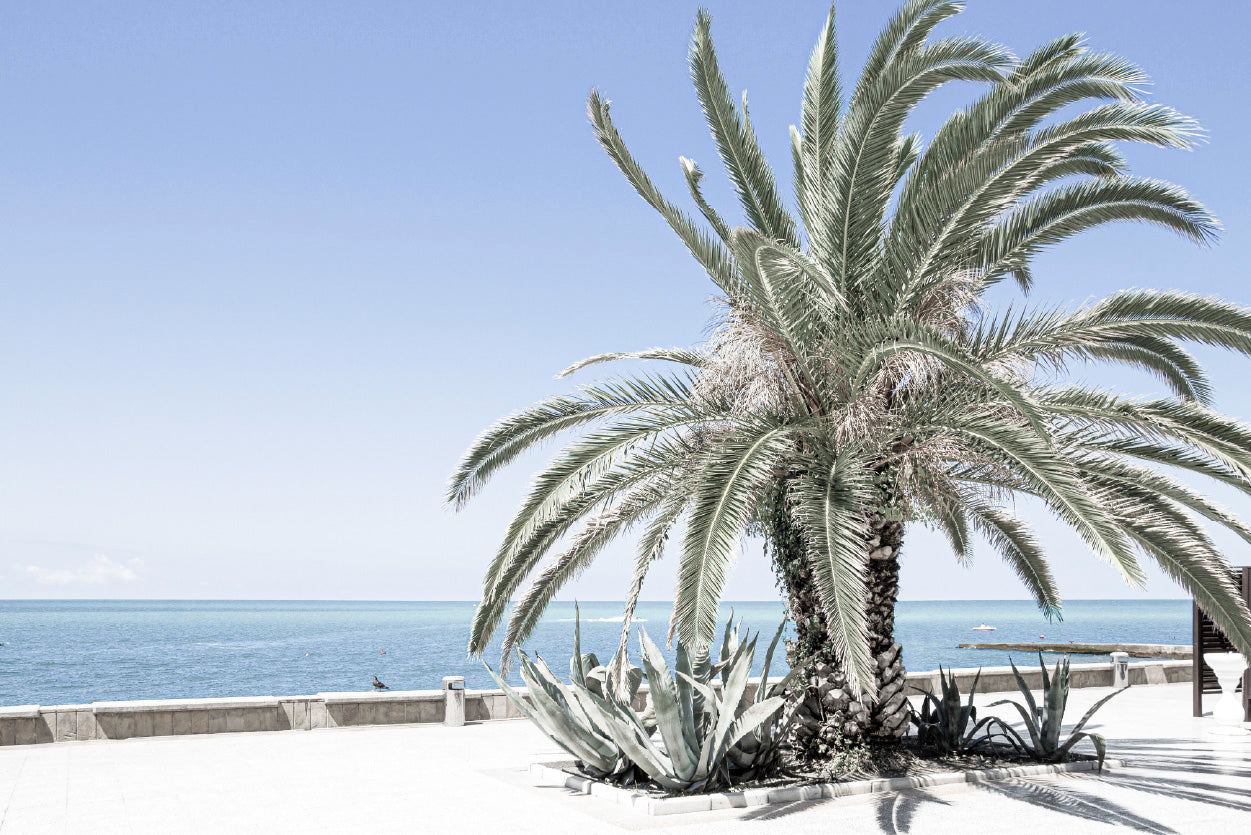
[855,376]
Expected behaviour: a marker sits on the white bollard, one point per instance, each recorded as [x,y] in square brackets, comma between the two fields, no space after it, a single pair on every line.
[1227,713]
[1120,670]
[453,701]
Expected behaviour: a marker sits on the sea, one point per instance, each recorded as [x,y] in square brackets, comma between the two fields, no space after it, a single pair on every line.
[79,651]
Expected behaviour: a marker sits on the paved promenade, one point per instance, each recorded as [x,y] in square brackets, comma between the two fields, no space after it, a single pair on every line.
[416,779]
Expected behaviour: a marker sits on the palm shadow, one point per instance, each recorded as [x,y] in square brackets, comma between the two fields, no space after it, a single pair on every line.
[1172,766]
[896,811]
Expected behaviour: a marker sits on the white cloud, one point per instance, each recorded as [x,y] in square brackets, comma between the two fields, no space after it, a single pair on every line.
[96,571]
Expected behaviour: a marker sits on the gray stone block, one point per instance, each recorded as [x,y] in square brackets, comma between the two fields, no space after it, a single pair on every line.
[252,720]
[199,721]
[299,716]
[235,719]
[106,726]
[7,731]
[319,717]
[66,725]
[217,721]
[1176,674]
[163,723]
[180,721]
[342,715]
[24,731]
[144,725]
[45,728]
[285,716]
[272,719]
[85,724]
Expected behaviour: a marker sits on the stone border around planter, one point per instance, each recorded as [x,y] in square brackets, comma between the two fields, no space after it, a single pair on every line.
[542,774]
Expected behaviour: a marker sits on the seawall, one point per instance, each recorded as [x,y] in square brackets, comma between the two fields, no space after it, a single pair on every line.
[36,724]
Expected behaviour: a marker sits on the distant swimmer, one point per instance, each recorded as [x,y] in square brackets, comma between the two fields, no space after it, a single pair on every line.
[378,685]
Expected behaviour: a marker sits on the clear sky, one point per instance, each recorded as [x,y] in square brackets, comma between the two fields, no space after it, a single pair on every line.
[267,268]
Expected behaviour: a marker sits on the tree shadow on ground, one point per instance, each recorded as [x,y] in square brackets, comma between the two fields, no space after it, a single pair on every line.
[780,810]
[895,812]
[1154,766]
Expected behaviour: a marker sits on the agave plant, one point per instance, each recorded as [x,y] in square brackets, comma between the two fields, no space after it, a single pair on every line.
[947,724]
[1043,722]
[560,710]
[757,753]
[699,724]
[710,737]
[858,380]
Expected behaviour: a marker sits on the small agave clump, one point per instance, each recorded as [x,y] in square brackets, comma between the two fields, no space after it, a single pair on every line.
[946,724]
[1043,722]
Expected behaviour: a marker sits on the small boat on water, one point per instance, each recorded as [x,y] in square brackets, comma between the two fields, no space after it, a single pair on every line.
[983,628]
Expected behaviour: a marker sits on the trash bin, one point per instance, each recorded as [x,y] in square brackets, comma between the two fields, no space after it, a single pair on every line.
[1120,670]
[454,701]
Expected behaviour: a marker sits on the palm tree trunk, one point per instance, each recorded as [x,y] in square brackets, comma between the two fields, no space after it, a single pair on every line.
[831,715]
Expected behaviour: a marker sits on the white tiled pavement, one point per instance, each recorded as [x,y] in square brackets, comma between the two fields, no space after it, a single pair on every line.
[431,779]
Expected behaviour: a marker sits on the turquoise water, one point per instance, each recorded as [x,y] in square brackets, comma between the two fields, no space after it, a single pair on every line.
[66,652]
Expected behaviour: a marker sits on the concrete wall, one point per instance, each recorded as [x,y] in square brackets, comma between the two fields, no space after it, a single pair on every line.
[32,724]
[1001,679]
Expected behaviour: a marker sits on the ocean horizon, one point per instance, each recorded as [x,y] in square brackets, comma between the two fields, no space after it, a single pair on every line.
[74,651]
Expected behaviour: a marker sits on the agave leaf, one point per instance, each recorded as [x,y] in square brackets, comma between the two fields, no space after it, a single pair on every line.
[1101,746]
[748,721]
[580,740]
[689,701]
[597,680]
[1055,696]
[577,672]
[543,677]
[729,641]
[779,687]
[561,700]
[639,749]
[701,670]
[1005,730]
[731,695]
[669,716]
[1031,724]
[768,662]
[1024,688]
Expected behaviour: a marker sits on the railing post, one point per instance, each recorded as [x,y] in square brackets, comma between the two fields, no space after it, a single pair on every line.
[453,701]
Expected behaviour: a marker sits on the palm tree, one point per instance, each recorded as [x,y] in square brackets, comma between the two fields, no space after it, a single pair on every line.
[856,382]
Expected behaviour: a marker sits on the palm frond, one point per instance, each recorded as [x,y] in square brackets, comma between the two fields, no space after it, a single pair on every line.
[736,142]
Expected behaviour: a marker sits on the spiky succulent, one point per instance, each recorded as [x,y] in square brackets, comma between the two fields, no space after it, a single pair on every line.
[1043,739]
[857,364]
[709,736]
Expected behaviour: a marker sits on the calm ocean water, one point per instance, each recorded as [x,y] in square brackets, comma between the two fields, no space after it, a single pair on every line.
[66,652]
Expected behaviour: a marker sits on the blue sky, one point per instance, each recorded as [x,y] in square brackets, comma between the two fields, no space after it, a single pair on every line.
[267,268]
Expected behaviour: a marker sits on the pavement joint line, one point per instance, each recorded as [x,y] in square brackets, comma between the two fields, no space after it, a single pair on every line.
[544,774]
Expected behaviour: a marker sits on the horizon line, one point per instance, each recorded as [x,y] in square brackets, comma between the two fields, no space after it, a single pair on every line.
[408,600]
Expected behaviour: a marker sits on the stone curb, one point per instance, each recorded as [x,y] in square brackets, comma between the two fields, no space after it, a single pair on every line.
[542,774]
